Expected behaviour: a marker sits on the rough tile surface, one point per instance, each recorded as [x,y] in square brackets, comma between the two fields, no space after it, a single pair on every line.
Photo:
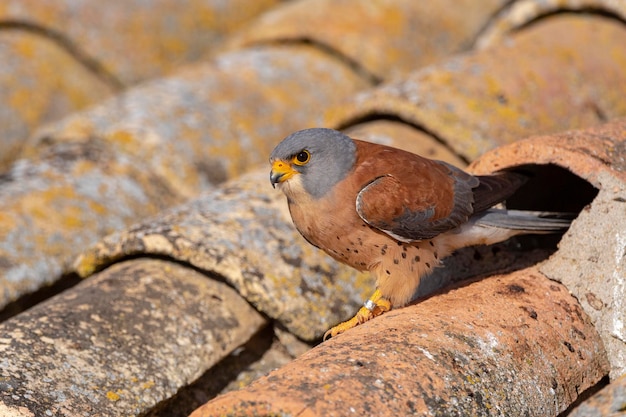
[473,350]
[120,342]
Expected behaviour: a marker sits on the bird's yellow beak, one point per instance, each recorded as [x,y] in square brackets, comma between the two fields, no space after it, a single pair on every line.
[281,171]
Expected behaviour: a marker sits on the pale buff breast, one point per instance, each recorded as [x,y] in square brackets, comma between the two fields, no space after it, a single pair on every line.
[396,266]
[401,267]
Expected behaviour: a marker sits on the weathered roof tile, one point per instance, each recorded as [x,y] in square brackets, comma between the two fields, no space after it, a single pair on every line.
[443,356]
[590,260]
[120,343]
[385,39]
[59,57]
[546,78]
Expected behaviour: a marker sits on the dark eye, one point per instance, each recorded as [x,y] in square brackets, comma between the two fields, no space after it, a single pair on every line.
[302,158]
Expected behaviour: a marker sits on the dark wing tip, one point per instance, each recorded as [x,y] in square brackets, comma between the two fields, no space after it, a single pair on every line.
[493,189]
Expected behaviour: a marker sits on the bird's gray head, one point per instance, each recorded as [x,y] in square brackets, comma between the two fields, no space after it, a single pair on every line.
[317,158]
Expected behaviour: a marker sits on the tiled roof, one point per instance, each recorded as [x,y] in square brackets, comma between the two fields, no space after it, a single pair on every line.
[134,155]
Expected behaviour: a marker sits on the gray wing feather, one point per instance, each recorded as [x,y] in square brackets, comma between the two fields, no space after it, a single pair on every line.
[531,221]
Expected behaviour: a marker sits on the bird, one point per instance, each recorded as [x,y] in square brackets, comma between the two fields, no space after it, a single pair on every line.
[391,212]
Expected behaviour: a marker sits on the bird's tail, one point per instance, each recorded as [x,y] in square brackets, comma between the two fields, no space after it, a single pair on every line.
[525,221]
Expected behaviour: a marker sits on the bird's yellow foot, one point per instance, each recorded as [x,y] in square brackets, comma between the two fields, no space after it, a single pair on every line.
[374,306]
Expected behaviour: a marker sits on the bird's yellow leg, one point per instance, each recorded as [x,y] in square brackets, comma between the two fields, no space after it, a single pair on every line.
[374,306]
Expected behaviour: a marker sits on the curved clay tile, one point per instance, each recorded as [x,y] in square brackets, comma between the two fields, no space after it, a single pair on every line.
[59,57]
[33,92]
[120,343]
[498,345]
[521,13]
[385,39]
[54,206]
[561,73]
[590,261]
[134,40]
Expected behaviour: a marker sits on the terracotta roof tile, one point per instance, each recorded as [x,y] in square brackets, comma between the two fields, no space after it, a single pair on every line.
[477,101]
[386,39]
[70,55]
[475,348]
[122,342]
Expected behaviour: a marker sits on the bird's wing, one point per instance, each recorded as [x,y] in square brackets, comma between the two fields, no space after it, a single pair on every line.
[492,189]
[525,221]
[417,199]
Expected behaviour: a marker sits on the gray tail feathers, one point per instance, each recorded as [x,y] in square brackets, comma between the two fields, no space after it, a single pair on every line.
[528,221]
